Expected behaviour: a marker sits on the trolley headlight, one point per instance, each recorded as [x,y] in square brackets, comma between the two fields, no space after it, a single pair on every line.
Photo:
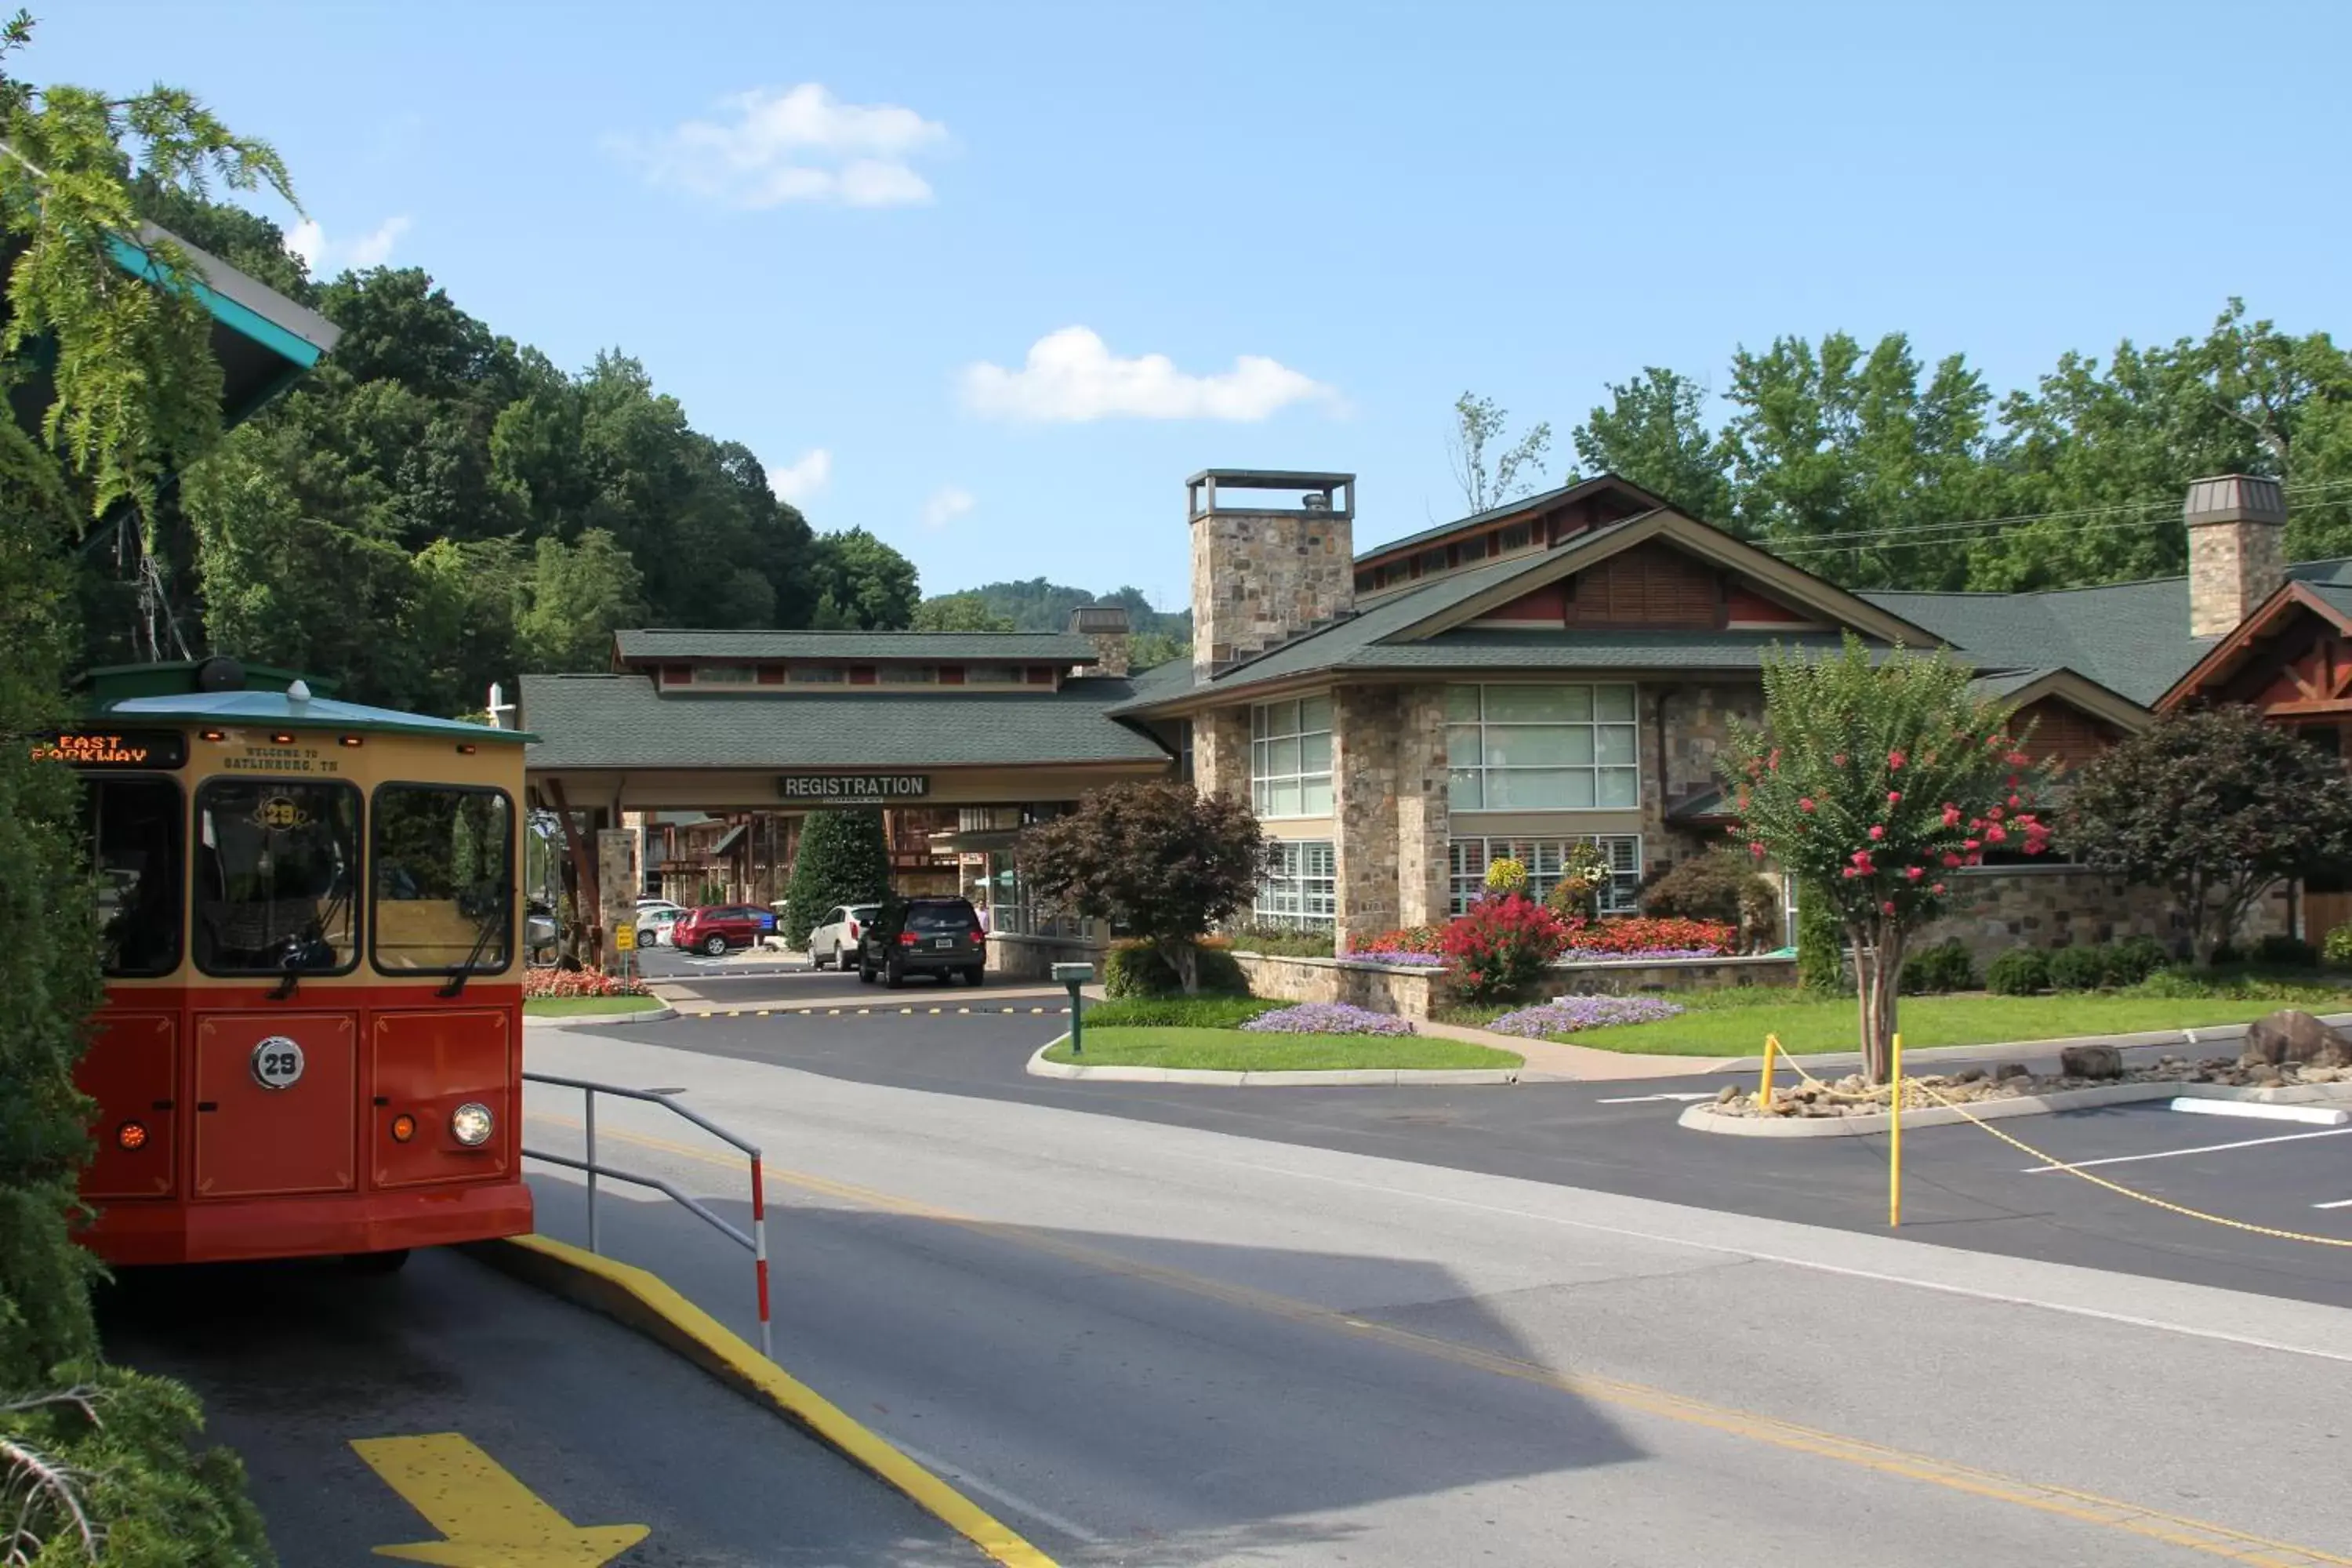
[470,1124]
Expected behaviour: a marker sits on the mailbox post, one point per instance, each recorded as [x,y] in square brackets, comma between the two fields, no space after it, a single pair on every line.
[1073,975]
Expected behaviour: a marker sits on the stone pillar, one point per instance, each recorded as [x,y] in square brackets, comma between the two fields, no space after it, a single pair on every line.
[1221,758]
[1424,811]
[1263,572]
[1365,725]
[616,888]
[1106,626]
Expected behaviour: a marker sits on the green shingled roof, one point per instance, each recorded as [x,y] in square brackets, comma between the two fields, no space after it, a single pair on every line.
[586,721]
[1012,648]
[1515,509]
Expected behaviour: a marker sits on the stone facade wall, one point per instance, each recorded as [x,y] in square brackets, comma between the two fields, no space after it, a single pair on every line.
[1698,730]
[1257,577]
[1997,908]
[1034,957]
[2233,566]
[1365,725]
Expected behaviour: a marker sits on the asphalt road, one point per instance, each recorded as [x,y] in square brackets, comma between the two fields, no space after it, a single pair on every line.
[1146,1343]
[1963,1188]
[297,1363]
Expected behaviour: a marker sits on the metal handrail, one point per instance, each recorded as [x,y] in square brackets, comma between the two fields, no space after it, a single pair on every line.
[756,1243]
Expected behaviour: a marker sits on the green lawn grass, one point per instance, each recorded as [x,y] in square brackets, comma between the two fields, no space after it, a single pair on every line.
[1238,1051]
[573,1006]
[1736,1025]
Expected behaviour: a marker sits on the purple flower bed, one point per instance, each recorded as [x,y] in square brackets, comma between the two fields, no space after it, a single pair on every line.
[1403,959]
[1328,1019]
[1567,1015]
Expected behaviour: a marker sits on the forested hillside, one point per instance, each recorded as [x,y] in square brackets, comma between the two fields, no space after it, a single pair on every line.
[436,507]
[1037,605]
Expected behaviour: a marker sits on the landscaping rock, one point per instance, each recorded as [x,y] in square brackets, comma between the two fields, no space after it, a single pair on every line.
[2091,1061]
[1729,1092]
[2009,1070]
[2292,1036]
[1969,1075]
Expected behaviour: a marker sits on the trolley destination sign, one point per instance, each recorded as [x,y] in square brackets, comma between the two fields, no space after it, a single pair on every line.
[121,749]
[852,789]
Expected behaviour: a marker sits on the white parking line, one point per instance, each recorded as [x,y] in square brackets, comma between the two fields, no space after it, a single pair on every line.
[2202,1148]
[1641,1098]
[2338,1203]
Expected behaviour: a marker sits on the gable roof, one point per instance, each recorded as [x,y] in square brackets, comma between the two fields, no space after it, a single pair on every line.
[2224,656]
[1424,627]
[1526,506]
[619,721]
[653,643]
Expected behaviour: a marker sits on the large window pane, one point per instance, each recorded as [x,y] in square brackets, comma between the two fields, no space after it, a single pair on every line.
[1466,789]
[1299,885]
[1315,797]
[1290,769]
[1620,787]
[1313,713]
[1539,789]
[1542,747]
[1612,702]
[444,877]
[1461,745]
[134,839]
[1539,704]
[1616,745]
[1462,704]
[1281,758]
[1283,798]
[1315,753]
[277,870]
[1532,746]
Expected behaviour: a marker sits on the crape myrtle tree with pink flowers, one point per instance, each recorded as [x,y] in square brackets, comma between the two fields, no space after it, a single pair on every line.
[1872,780]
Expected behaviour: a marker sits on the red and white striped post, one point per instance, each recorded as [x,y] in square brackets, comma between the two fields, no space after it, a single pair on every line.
[760,1254]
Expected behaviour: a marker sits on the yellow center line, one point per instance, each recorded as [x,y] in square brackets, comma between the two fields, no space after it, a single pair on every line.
[2088,1508]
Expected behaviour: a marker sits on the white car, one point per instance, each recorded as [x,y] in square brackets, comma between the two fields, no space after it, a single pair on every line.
[838,933]
[654,925]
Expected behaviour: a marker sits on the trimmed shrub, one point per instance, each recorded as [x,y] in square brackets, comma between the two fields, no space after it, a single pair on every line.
[2279,951]
[843,859]
[1820,944]
[2078,968]
[2338,948]
[1140,970]
[2020,971]
[1714,886]
[2133,959]
[1500,946]
[1273,937]
[1943,967]
[1179,1012]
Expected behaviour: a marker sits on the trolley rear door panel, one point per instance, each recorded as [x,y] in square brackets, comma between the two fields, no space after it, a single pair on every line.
[131,1070]
[269,1122]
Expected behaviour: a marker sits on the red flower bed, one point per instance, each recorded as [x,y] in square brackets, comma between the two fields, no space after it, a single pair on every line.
[578,983]
[1650,933]
[1411,939]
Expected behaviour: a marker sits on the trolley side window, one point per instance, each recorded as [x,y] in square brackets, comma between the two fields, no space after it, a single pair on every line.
[443,879]
[277,877]
[135,834]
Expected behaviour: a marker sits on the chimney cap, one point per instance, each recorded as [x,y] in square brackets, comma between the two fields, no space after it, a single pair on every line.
[2234,498]
[1101,620]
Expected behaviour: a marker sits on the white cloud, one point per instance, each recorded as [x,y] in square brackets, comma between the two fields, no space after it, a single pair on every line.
[1072,375]
[764,148]
[321,256]
[947,504]
[797,481]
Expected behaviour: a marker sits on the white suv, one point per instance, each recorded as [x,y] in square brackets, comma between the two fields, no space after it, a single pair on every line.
[838,933]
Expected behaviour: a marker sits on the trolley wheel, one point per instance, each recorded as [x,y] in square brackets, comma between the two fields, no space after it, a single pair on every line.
[378,1262]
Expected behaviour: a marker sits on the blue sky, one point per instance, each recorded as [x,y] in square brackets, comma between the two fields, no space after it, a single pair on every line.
[919,257]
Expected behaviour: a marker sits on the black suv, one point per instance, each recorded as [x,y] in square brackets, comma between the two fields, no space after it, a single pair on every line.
[924,936]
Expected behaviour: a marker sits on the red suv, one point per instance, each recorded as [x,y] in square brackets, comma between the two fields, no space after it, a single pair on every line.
[715,928]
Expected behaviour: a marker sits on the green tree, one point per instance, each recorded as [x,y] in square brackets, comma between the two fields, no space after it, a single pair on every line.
[1160,859]
[133,394]
[1490,472]
[964,612]
[577,596]
[1872,781]
[862,583]
[1151,648]
[2215,805]
[843,857]
[1653,431]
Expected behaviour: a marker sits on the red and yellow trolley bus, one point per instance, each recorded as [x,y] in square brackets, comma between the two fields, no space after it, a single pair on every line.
[311,1040]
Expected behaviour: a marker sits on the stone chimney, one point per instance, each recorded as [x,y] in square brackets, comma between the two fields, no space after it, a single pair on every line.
[1106,626]
[1262,572]
[2237,557]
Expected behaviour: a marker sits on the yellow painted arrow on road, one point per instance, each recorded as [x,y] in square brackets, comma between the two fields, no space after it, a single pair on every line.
[490,1519]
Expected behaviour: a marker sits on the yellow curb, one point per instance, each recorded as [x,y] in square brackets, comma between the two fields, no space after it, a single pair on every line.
[645,1302]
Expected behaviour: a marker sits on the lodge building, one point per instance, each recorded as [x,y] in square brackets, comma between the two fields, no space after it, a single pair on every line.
[1565,669]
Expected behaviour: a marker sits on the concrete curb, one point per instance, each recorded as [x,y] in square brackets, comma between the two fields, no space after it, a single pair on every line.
[1702,1118]
[643,1302]
[1347,1078]
[2206,1035]
[600,1020]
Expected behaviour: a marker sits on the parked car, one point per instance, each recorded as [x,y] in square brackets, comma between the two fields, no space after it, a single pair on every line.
[649,906]
[924,936]
[840,932]
[654,925]
[716,928]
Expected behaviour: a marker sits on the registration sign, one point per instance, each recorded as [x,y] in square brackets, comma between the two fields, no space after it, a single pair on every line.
[852,789]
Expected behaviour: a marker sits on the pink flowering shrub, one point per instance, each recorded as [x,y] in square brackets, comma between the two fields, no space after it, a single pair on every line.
[1501,945]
